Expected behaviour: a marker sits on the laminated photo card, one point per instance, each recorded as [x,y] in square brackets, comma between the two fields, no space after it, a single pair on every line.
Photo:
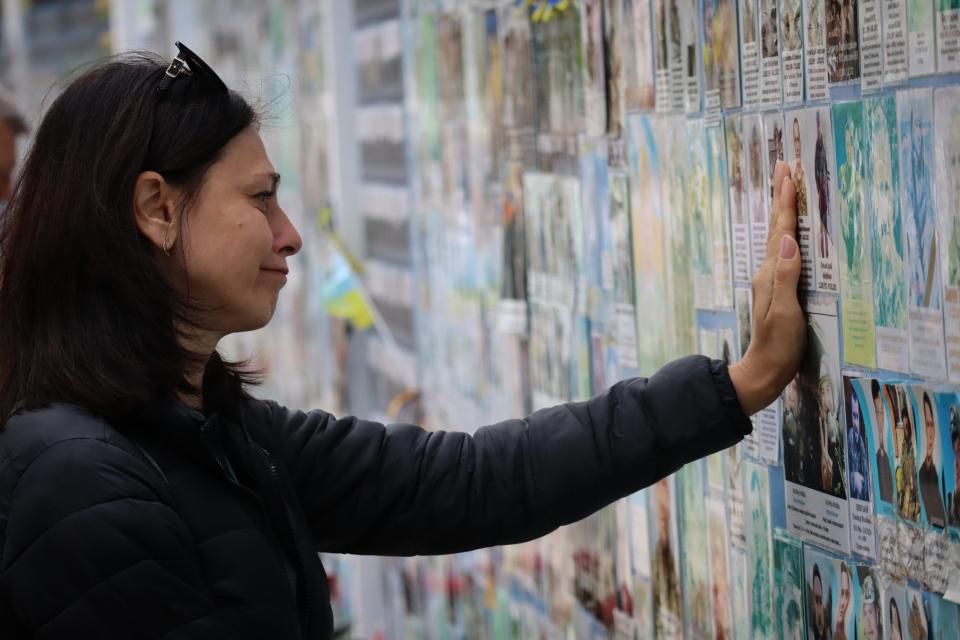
[756,169]
[819,162]
[689,53]
[721,603]
[663,84]
[843,40]
[856,275]
[920,38]
[750,52]
[860,467]
[649,248]
[771,85]
[829,588]
[665,561]
[924,276]
[759,549]
[791,51]
[721,61]
[737,175]
[815,28]
[814,446]
[788,598]
[871,46]
[794,122]
[694,572]
[719,216]
[700,232]
[887,240]
[896,65]
[639,531]
[947,124]
[948,35]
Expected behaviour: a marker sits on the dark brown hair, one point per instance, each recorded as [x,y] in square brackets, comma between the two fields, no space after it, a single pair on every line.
[88,317]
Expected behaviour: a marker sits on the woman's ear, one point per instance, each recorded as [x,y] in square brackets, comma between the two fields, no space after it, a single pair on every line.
[153,207]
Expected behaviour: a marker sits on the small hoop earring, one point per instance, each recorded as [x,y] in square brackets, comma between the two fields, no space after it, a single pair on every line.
[166,249]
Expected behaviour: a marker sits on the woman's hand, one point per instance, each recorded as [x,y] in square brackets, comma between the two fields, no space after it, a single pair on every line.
[779,328]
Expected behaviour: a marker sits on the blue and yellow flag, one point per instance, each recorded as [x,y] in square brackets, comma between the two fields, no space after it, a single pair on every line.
[340,294]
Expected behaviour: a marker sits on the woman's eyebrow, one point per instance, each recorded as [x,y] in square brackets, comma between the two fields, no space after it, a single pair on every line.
[272,175]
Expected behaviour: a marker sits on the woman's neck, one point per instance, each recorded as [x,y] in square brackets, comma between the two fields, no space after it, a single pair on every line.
[202,344]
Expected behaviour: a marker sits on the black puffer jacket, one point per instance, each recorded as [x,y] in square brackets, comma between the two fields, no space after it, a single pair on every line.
[181,526]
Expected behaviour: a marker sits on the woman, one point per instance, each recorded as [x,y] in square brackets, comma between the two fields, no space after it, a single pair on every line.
[144,493]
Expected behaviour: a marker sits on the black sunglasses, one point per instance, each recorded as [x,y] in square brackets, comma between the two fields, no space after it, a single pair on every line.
[187,63]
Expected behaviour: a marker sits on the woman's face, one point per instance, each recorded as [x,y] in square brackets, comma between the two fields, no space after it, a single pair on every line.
[236,240]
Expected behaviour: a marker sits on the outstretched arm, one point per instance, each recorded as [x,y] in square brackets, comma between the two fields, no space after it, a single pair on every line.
[370,488]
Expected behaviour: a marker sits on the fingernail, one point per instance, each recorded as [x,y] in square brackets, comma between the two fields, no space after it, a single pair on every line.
[788,248]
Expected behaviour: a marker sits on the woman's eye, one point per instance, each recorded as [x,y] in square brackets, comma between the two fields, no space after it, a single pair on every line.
[264,196]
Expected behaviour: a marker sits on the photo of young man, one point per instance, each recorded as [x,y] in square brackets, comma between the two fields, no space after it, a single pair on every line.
[884,475]
[870,615]
[821,601]
[794,442]
[953,499]
[843,608]
[858,462]
[929,478]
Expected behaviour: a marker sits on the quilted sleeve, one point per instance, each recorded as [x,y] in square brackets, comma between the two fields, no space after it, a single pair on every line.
[92,551]
[370,488]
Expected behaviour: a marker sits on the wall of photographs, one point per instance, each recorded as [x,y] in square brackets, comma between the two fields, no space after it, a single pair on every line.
[592,185]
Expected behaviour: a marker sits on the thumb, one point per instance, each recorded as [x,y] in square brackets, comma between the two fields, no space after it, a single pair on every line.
[787,273]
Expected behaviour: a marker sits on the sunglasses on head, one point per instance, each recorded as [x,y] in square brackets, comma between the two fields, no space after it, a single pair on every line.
[187,63]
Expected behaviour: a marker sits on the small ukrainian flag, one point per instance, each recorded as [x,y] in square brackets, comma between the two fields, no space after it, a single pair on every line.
[340,294]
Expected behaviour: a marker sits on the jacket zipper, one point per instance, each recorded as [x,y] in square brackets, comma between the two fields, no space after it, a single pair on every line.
[301,567]
[305,604]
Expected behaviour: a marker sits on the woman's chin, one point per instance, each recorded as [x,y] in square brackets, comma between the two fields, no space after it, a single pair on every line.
[254,319]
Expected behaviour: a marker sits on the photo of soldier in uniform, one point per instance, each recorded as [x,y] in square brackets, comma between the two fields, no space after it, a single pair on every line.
[905,457]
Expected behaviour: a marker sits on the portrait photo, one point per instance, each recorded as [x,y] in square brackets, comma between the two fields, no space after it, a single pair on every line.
[948,411]
[858,460]
[930,457]
[667,608]
[814,440]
